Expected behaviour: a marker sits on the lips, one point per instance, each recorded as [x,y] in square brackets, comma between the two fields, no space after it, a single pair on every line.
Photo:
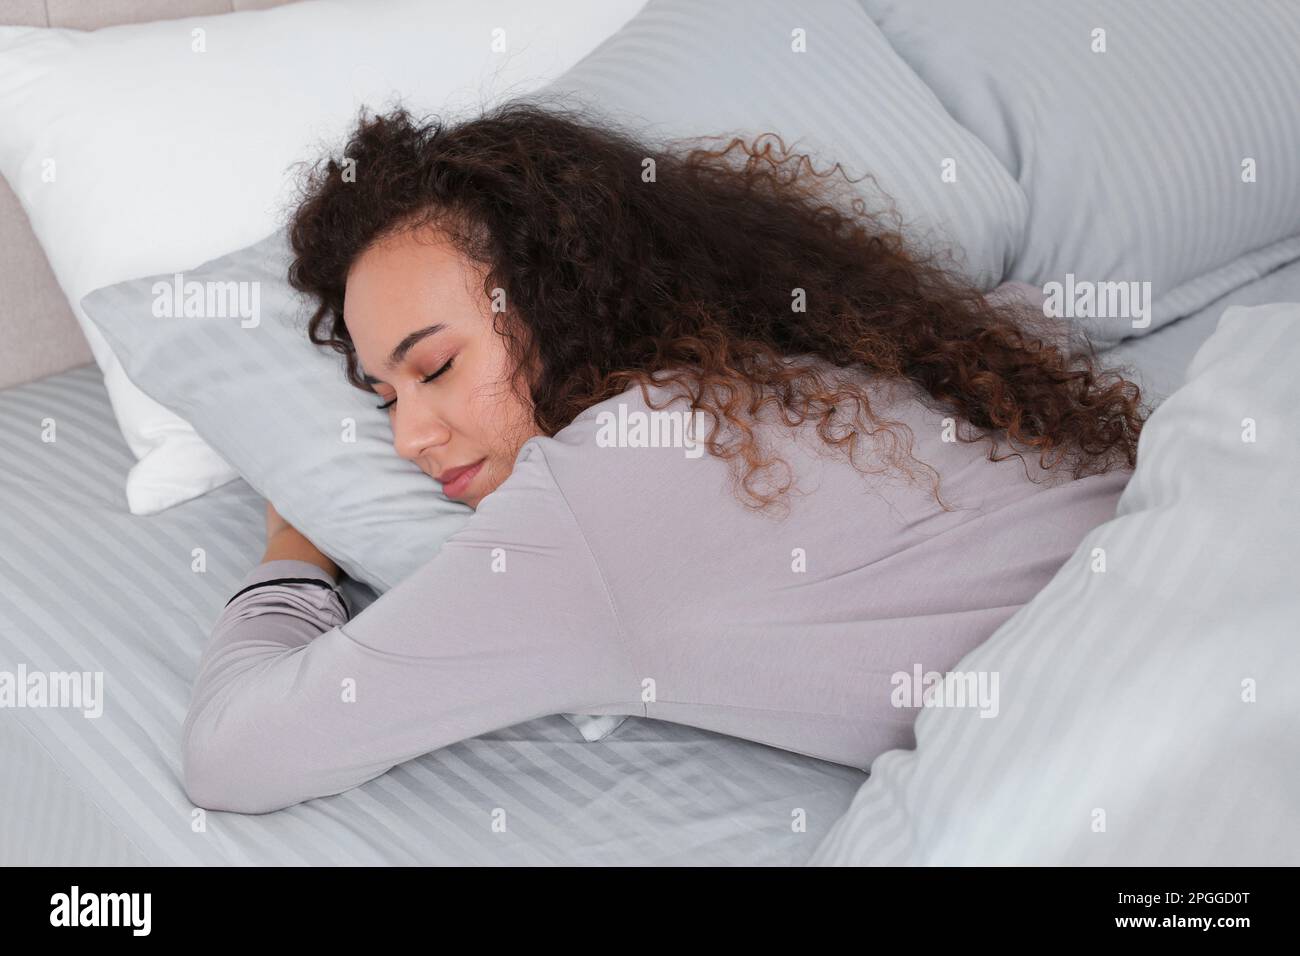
[454,481]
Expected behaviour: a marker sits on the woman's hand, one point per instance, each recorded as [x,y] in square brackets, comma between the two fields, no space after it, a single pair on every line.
[285,542]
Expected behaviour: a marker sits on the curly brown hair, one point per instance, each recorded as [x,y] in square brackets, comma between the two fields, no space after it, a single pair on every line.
[625,264]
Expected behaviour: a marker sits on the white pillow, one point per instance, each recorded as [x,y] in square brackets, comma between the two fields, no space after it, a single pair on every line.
[156,147]
[1146,709]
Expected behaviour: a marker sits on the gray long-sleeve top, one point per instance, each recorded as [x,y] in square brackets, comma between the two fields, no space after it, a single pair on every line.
[610,576]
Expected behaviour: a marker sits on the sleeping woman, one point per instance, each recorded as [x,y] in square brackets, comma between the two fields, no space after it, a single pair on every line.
[738,455]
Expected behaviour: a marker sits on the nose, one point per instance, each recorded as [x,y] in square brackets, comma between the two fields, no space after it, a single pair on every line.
[417,429]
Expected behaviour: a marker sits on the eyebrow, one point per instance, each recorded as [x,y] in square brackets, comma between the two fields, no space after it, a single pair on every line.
[404,346]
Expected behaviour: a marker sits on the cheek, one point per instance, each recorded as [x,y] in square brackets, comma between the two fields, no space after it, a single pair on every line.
[508,430]
[484,417]
[501,422]
[507,421]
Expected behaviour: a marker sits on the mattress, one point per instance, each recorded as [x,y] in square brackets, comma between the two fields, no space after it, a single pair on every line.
[87,588]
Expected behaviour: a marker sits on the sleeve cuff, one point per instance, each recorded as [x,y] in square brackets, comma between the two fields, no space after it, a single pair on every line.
[285,568]
[290,571]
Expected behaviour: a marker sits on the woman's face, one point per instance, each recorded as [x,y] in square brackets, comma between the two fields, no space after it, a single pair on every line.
[422,327]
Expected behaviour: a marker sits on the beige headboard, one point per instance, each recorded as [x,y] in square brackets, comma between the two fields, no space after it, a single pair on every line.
[38,335]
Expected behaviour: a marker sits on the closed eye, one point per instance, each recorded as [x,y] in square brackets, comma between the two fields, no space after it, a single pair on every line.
[424,381]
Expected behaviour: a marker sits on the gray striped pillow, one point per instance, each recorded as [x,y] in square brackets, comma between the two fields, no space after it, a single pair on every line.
[1136,159]
[681,69]
[279,409]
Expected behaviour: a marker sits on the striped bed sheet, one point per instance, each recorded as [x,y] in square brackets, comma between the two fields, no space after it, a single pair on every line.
[86,588]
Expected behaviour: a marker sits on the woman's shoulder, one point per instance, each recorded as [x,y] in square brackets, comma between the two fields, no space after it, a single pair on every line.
[649,416]
[642,448]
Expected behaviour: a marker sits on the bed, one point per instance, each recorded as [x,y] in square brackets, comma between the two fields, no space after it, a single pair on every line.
[106,790]
[87,587]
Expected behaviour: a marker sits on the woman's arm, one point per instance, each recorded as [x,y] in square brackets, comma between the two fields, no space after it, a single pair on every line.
[508,622]
[287,543]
